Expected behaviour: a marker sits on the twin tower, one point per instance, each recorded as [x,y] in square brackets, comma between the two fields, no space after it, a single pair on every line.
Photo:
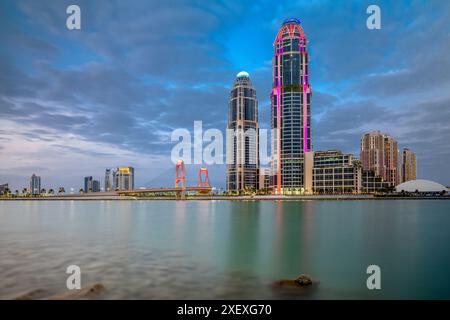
[290,119]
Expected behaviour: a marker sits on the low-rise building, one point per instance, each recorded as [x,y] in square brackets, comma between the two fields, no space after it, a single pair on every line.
[372,183]
[335,172]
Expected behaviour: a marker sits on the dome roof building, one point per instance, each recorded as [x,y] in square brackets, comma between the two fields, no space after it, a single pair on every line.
[420,186]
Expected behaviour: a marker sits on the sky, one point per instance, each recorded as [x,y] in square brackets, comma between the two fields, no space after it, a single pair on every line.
[74,102]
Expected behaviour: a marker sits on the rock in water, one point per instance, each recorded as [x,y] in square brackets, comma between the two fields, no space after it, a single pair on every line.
[88,292]
[302,281]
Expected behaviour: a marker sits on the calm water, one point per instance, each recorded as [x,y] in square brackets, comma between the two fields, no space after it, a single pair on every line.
[227,249]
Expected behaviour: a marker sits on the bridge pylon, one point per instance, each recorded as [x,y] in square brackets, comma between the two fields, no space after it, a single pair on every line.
[201,182]
[180,176]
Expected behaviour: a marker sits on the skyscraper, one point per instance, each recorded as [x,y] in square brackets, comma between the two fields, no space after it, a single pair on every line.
[109,180]
[379,153]
[124,178]
[35,184]
[409,165]
[243,144]
[88,184]
[290,107]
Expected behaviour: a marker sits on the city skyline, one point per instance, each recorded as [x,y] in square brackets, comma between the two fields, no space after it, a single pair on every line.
[55,115]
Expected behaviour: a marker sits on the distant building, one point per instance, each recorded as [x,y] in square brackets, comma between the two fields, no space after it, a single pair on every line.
[408,166]
[124,178]
[422,187]
[373,183]
[91,185]
[35,184]
[243,145]
[88,184]
[335,173]
[95,186]
[379,153]
[4,188]
[109,180]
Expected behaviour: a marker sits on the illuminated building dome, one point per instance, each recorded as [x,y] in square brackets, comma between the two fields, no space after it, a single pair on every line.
[243,74]
[420,186]
[292,20]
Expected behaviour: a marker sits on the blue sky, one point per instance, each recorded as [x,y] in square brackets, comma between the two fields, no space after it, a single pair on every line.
[75,102]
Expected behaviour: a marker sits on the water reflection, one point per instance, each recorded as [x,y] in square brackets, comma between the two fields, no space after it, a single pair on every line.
[226,249]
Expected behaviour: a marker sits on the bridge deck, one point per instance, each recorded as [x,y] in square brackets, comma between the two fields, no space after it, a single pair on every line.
[163,190]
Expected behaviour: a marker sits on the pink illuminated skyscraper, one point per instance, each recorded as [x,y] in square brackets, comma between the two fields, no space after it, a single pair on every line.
[290,107]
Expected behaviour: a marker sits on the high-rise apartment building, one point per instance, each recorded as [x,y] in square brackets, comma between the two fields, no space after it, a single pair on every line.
[379,153]
[35,184]
[290,107]
[409,165]
[242,136]
[124,178]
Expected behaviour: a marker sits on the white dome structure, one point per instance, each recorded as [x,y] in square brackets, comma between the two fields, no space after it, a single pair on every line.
[421,186]
[243,74]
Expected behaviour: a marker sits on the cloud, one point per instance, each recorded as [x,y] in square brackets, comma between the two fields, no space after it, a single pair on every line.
[113,92]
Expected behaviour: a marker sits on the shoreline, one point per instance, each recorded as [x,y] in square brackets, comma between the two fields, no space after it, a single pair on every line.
[110,197]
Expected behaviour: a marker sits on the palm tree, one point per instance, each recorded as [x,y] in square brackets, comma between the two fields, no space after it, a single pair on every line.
[51,191]
[61,190]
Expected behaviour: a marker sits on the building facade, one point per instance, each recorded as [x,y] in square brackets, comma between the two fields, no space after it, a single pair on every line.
[242,136]
[336,173]
[290,107]
[409,165]
[379,153]
[88,184]
[124,178]
[35,185]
